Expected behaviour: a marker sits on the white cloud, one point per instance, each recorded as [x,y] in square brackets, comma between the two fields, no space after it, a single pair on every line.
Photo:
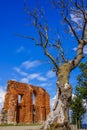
[52,101]
[41,78]
[18,70]
[36,76]
[25,80]
[14,79]
[33,76]
[2,96]
[50,74]
[84,50]
[43,85]
[76,19]
[27,77]
[30,64]
[20,49]
[75,49]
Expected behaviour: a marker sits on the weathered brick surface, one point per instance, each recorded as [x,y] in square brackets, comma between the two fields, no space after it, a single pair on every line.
[26,111]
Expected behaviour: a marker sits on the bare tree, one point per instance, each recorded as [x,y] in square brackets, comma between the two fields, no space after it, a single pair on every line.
[74,15]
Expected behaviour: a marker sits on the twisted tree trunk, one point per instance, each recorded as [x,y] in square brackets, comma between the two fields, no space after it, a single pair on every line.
[58,119]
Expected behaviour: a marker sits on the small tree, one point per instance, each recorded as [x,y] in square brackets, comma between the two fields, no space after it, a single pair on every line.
[82,81]
[58,119]
[77,104]
[78,110]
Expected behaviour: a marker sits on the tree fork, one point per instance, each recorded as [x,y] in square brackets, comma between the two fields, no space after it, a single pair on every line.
[58,119]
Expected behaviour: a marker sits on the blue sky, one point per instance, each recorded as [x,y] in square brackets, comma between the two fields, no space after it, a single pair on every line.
[20,59]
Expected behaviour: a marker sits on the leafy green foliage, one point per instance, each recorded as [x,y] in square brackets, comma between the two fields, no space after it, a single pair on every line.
[81,87]
[81,93]
[78,110]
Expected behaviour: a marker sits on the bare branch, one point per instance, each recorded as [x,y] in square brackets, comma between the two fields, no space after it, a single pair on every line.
[79,55]
[29,37]
[51,57]
[83,31]
[81,9]
[44,40]
[59,48]
[72,29]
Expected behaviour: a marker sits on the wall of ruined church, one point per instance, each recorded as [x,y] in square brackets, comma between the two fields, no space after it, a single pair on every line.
[23,110]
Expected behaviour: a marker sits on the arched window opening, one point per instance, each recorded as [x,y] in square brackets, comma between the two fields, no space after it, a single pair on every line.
[20,98]
[33,98]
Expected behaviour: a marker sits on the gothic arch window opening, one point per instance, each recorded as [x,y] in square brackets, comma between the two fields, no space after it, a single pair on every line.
[20,97]
[33,98]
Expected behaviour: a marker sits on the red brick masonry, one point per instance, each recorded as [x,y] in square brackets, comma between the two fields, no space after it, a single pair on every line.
[26,103]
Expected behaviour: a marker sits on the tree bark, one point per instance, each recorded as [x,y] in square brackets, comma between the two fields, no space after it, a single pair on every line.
[58,119]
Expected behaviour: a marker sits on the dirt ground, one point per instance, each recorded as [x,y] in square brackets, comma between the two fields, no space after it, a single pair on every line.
[20,127]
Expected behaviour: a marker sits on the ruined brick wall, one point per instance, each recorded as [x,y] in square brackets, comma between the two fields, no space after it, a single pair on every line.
[26,103]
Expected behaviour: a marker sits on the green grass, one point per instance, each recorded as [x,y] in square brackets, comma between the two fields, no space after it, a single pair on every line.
[36,124]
